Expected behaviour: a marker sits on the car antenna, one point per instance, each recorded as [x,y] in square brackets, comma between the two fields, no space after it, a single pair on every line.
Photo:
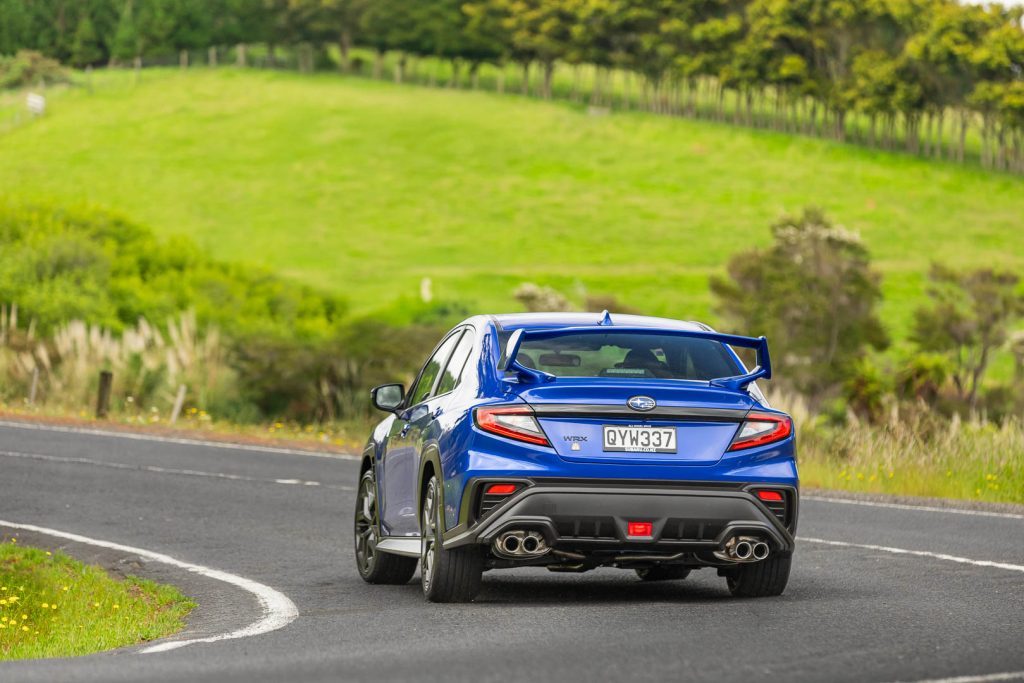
[606,318]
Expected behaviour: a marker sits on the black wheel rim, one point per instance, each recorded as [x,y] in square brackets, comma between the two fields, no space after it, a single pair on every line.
[366,525]
[428,536]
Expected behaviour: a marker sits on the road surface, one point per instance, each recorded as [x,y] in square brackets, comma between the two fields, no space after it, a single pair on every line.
[263,541]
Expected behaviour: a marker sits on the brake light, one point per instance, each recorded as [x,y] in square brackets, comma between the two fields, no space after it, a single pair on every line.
[770,496]
[500,489]
[512,422]
[760,429]
[639,529]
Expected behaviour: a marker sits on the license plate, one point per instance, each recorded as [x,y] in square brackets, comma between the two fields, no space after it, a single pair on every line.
[640,439]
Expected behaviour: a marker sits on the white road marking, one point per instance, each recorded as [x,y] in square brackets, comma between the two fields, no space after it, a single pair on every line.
[903,506]
[278,609]
[172,439]
[167,470]
[918,553]
[984,678]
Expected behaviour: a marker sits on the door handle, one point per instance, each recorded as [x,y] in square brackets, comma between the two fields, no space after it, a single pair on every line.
[405,430]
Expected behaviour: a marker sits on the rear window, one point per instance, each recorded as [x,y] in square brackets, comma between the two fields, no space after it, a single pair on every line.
[628,356]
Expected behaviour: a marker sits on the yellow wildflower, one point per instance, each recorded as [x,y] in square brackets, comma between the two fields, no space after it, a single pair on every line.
[24,616]
[117,607]
[46,605]
[53,606]
[95,604]
[24,628]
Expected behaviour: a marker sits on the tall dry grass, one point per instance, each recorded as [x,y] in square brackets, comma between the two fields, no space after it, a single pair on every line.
[148,365]
[915,451]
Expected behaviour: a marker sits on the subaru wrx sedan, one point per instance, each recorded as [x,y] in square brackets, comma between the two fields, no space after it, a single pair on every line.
[575,441]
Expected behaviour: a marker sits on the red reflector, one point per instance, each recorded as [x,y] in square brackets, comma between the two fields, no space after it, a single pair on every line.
[770,496]
[639,529]
[500,489]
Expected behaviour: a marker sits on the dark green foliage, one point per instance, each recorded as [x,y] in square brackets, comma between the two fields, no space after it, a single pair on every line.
[86,49]
[814,295]
[96,266]
[970,316]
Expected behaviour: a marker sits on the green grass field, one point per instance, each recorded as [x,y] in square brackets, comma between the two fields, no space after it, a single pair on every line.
[54,606]
[365,188]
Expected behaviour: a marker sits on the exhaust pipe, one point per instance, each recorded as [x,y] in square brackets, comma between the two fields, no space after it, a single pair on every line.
[520,545]
[743,549]
[510,544]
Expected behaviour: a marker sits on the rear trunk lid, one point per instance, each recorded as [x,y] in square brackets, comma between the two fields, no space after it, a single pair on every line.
[595,420]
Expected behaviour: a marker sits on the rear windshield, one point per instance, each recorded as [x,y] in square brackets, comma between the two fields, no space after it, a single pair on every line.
[628,356]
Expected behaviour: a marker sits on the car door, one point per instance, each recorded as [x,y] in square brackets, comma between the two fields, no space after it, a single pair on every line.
[400,462]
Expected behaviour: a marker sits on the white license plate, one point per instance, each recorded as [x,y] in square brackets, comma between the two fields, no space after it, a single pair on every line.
[640,439]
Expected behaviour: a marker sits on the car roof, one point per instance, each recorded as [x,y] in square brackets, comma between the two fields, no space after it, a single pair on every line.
[510,322]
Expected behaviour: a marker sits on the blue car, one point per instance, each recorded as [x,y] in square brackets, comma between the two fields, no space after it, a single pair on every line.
[573,441]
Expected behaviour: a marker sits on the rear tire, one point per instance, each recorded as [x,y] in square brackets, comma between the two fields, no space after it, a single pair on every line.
[663,573]
[762,579]
[375,566]
[447,575]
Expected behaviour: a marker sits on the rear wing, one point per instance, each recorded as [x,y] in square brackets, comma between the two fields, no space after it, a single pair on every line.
[763,369]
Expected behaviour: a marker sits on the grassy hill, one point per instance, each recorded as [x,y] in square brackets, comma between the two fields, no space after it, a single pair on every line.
[364,188]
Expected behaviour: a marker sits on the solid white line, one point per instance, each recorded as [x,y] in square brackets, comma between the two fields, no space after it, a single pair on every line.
[278,610]
[918,553]
[903,506]
[166,470]
[983,678]
[172,439]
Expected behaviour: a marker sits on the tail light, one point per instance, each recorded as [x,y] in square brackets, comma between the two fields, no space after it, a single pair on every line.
[512,422]
[494,495]
[760,429]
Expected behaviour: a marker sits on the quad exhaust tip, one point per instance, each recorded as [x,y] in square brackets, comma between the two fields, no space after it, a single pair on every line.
[744,549]
[520,545]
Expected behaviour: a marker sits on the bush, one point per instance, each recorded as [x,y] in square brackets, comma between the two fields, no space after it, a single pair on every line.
[96,266]
[29,68]
[814,295]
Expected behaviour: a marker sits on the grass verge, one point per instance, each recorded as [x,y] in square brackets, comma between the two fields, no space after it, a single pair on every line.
[54,606]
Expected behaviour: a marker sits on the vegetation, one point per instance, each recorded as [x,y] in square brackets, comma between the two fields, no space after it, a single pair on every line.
[95,291]
[913,73]
[54,606]
[364,189]
[29,68]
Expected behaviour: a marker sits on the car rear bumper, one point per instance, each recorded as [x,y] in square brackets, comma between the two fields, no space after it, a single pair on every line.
[589,516]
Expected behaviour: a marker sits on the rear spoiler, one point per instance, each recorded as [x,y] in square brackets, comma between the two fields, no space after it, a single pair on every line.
[736,382]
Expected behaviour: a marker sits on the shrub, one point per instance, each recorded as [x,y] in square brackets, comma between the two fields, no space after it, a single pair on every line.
[814,294]
[29,68]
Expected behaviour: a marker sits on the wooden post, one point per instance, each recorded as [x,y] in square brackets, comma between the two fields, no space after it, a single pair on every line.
[103,397]
[179,401]
[211,56]
[183,59]
[240,54]
[34,387]
[138,67]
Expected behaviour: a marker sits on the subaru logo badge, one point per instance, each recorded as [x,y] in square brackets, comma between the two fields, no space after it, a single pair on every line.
[642,403]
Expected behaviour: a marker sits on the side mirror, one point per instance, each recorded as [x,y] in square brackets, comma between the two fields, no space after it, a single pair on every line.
[388,397]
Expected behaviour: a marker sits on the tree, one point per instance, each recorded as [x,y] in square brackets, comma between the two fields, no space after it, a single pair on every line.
[814,294]
[539,30]
[970,316]
[85,49]
[126,44]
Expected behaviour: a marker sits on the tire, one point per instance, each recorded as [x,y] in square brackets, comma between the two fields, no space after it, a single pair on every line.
[447,575]
[760,579]
[375,567]
[663,573]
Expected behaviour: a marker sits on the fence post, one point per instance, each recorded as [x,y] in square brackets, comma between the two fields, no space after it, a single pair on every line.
[183,59]
[211,56]
[33,387]
[103,397]
[179,401]
[240,54]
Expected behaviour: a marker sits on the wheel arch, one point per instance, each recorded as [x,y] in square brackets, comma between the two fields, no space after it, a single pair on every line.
[430,465]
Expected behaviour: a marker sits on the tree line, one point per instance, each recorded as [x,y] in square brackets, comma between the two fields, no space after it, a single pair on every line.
[914,74]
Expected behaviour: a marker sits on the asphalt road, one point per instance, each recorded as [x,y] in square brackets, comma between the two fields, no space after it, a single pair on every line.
[850,613]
